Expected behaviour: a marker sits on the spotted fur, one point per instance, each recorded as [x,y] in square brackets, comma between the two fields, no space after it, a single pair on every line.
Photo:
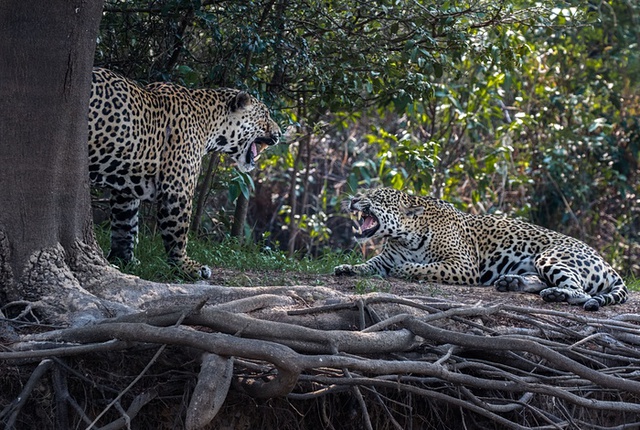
[429,239]
[147,143]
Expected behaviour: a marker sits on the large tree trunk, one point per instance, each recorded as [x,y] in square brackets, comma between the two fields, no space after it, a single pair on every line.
[46,78]
[49,260]
[47,55]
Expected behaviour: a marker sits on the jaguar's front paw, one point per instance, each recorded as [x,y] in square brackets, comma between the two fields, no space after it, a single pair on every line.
[205,272]
[193,269]
[344,270]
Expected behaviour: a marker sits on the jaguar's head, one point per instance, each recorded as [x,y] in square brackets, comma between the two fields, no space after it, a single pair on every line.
[248,130]
[382,212]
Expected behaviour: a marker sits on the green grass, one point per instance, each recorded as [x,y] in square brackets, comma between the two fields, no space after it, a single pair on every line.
[633,283]
[227,254]
[372,284]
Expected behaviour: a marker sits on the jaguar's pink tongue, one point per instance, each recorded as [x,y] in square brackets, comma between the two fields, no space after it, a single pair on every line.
[254,150]
[369,222]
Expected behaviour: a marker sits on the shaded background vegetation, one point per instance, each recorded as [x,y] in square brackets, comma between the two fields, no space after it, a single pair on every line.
[524,108]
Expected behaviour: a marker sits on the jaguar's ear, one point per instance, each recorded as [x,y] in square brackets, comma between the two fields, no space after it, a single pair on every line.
[240,101]
[414,210]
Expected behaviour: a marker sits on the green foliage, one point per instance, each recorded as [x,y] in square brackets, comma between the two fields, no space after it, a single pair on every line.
[336,55]
[241,184]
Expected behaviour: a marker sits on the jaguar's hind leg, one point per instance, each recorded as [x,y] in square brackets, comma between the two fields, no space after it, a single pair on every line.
[572,296]
[565,280]
[124,226]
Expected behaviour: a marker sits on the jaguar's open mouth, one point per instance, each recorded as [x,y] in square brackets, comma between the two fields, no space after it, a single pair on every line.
[366,224]
[257,146]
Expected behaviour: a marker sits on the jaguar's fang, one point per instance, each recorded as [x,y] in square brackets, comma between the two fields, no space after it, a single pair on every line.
[365,223]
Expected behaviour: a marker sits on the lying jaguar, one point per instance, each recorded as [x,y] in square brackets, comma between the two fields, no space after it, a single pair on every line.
[429,239]
[147,143]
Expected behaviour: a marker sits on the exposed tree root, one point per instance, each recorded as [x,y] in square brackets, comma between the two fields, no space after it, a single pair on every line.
[214,380]
[500,365]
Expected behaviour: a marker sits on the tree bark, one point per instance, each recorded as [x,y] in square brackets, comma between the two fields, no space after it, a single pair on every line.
[240,217]
[203,192]
[47,55]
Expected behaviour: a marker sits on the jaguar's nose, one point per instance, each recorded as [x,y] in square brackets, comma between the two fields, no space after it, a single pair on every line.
[347,205]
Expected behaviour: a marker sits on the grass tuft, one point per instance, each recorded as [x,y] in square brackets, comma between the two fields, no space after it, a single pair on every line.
[633,283]
[227,254]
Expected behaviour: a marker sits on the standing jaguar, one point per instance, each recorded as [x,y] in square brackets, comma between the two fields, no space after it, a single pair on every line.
[147,143]
[429,239]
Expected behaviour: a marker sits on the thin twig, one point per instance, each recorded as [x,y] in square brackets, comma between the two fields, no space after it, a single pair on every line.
[17,405]
[363,405]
